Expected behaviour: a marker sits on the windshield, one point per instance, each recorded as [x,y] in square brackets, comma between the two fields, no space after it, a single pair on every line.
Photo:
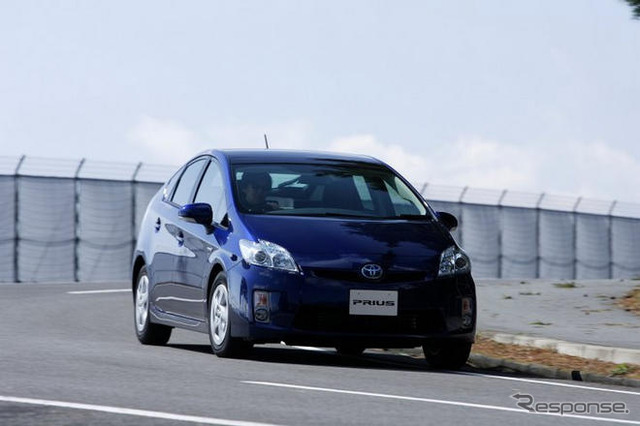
[348,190]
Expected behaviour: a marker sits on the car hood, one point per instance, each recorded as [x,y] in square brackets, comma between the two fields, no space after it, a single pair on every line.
[336,243]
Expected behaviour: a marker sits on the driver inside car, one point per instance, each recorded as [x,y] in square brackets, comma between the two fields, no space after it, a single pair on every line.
[254,188]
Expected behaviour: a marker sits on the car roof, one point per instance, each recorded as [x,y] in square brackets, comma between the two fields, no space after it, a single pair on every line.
[238,156]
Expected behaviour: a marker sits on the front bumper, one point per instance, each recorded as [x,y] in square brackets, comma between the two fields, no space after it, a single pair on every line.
[312,310]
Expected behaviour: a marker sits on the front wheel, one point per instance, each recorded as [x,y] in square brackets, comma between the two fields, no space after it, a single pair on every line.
[222,343]
[447,355]
[147,332]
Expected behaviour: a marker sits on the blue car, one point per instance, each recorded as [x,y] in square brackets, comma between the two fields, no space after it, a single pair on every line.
[306,248]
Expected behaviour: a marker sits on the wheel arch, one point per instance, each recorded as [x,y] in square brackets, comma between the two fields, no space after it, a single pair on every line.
[137,266]
[215,270]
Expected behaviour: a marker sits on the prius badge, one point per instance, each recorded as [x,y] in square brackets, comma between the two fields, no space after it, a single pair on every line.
[371,271]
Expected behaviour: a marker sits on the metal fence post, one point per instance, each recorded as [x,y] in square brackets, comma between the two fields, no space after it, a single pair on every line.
[613,206]
[461,222]
[538,237]
[16,212]
[134,203]
[500,234]
[76,223]
[575,238]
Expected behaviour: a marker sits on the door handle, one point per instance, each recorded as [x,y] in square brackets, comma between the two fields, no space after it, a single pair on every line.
[158,225]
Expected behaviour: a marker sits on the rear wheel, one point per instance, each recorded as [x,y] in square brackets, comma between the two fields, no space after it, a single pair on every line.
[222,343]
[447,355]
[148,333]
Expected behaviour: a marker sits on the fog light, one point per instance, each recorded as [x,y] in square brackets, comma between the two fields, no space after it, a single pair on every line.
[261,315]
[467,306]
[467,321]
[261,306]
[467,312]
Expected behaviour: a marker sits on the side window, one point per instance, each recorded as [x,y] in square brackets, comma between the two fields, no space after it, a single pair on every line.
[211,191]
[188,180]
[168,187]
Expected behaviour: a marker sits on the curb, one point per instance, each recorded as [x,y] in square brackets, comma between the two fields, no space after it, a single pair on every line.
[485,362]
[602,353]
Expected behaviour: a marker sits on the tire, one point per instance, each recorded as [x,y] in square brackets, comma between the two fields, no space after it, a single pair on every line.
[222,344]
[349,349]
[148,333]
[447,355]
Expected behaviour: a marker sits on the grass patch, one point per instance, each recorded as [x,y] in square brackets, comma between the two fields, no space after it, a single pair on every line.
[631,301]
[540,323]
[565,285]
[622,370]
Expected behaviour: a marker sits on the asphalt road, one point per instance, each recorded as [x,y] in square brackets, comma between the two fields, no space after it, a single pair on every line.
[73,359]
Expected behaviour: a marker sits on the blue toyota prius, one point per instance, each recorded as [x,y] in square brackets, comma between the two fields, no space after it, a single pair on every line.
[306,248]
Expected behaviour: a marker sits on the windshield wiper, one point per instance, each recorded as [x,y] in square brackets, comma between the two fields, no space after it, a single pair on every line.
[333,214]
[423,217]
[319,214]
[420,217]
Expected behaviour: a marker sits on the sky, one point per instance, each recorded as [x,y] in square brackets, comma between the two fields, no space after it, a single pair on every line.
[538,96]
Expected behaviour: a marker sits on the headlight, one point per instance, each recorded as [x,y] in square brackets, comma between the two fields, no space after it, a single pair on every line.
[269,255]
[453,261]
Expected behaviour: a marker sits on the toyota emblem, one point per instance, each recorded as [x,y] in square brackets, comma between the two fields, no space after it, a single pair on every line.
[371,271]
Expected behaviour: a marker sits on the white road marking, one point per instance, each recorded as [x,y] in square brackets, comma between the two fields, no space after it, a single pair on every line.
[441,401]
[118,290]
[515,379]
[131,412]
[544,382]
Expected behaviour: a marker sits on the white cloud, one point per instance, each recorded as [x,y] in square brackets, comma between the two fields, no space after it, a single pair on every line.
[469,161]
[588,169]
[165,141]
[592,169]
[597,170]
[171,142]
[473,161]
[409,164]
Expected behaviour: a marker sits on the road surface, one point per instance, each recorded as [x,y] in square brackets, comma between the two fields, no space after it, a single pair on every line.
[68,356]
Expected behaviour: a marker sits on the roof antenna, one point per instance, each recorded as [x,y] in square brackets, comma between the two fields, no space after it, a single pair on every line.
[266,142]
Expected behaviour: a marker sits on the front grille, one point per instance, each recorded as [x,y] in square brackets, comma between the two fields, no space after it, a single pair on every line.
[338,321]
[356,276]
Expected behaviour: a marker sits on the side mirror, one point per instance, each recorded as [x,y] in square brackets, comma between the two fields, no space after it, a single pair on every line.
[201,213]
[448,220]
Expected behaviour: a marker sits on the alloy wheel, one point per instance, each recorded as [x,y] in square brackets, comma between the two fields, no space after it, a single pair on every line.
[142,303]
[219,314]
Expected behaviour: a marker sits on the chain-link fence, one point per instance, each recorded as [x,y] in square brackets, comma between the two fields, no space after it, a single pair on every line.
[72,220]
[522,235]
[67,220]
